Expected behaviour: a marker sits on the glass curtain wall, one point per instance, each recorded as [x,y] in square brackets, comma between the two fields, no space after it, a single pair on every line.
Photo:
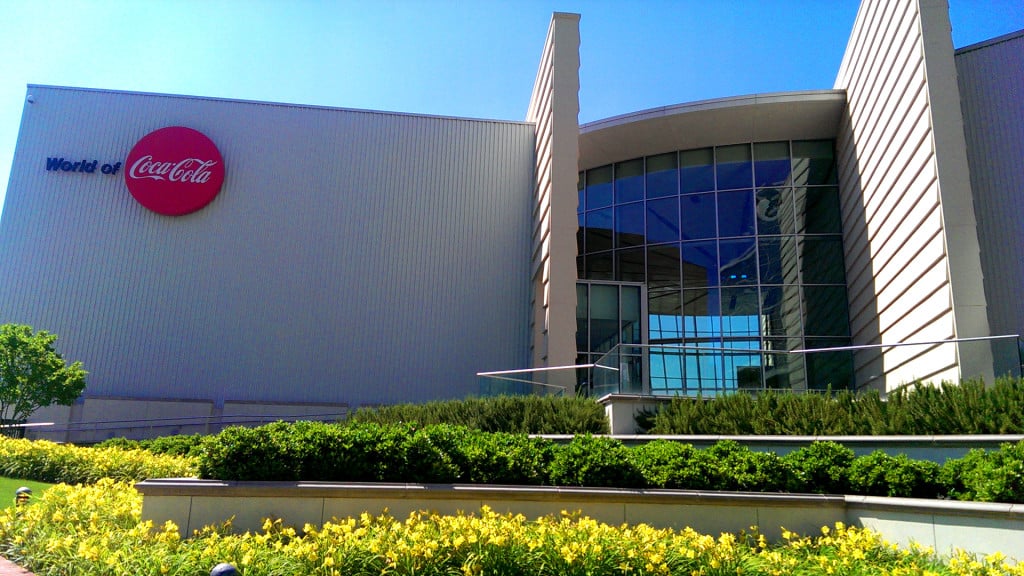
[740,249]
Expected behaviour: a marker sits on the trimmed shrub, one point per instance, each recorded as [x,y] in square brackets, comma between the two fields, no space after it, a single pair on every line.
[821,467]
[996,476]
[503,458]
[594,461]
[736,467]
[668,464]
[879,474]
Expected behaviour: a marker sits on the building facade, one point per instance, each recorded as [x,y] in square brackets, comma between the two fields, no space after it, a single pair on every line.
[857,237]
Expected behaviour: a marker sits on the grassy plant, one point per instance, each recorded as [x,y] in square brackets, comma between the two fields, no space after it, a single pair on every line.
[518,414]
[970,407]
[96,530]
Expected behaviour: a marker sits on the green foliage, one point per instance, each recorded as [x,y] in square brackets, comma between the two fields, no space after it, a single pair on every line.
[668,464]
[996,476]
[967,408]
[820,467]
[879,474]
[33,374]
[516,414]
[504,458]
[178,445]
[50,462]
[595,461]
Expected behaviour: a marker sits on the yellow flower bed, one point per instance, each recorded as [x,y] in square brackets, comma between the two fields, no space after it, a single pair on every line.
[96,530]
[51,462]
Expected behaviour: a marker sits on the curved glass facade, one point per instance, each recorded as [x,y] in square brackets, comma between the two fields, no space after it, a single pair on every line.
[740,250]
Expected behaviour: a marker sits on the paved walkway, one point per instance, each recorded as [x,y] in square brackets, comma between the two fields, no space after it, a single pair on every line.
[8,568]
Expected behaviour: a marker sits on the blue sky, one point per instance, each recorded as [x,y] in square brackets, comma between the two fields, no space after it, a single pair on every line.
[472,59]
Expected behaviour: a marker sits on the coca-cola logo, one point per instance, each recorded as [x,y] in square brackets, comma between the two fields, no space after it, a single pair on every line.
[174,171]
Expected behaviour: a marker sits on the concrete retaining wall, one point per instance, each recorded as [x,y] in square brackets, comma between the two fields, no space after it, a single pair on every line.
[976,527]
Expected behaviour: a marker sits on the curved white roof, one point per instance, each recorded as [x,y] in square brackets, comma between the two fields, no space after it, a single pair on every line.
[755,118]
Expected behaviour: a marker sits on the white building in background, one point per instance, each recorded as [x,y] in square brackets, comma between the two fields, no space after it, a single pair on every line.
[269,260]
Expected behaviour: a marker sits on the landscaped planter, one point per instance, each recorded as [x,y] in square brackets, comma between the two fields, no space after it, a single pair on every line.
[976,527]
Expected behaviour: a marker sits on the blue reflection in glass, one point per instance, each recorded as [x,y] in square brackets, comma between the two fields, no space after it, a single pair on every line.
[739,261]
[663,220]
[734,169]
[697,216]
[629,225]
[599,230]
[662,178]
[696,170]
[735,213]
[599,187]
[629,181]
[700,264]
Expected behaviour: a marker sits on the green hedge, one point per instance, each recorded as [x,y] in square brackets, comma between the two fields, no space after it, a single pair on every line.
[917,409]
[444,453]
[516,414]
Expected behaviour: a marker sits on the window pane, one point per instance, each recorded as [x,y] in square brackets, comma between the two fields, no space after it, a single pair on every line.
[819,210]
[774,207]
[700,264]
[599,230]
[742,369]
[771,164]
[780,306]
[604,317]
[581,318]
[662,178]
[813,163]
[581,228]
[704,370]
[599,266]
[777,258]
[663,220]
[629,181]
[739,261]
[829,369]
[631,315]
[629,225]
[735,213]
[733,166]
[599,187]
[783,371]
[702,313]
[696,170]
[825,311]
[822,260]
[666,370]
[630,265]
[581,199]
[740,312]
[697,216]
[663,297]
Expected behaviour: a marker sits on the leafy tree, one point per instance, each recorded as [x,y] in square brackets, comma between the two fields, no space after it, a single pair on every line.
[33,374]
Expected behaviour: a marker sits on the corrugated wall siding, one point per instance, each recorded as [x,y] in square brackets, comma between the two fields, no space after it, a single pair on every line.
[898,263]
[991,78]
[351,256]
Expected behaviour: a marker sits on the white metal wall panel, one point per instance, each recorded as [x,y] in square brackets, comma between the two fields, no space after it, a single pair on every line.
[554,108]
[991,79]
[892,202]
[351,257]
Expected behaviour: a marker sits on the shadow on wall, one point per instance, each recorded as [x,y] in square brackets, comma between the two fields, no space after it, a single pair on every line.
[869,370]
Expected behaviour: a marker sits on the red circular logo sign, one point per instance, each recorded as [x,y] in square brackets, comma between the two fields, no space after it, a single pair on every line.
[174,171]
